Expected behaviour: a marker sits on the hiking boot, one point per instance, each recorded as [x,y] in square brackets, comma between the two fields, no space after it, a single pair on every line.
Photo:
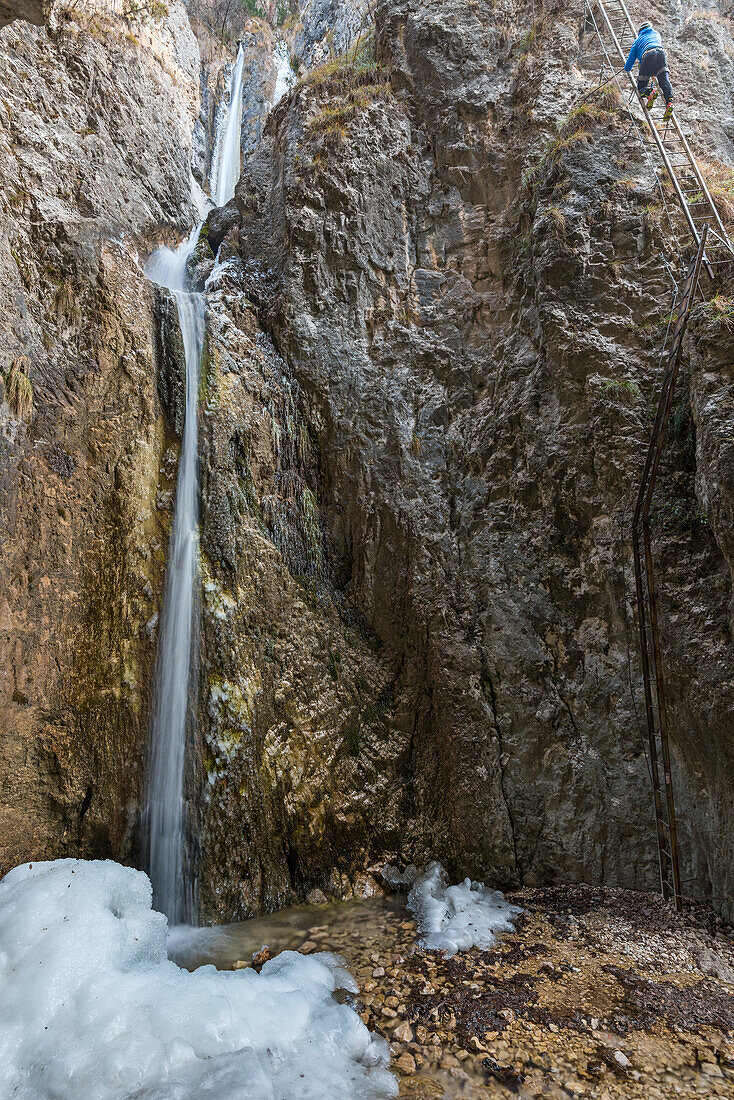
[651,98]
[668,112]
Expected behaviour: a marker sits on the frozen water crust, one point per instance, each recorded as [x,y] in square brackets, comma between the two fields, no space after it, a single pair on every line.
[453,918]
[92,1007]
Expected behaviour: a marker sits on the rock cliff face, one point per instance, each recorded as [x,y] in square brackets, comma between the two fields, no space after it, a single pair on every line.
[96,119]
[425,395]
[456,291]
[31,11]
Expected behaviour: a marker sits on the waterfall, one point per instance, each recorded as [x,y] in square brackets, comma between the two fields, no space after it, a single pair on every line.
[173,887]
[170,863]
[226,161]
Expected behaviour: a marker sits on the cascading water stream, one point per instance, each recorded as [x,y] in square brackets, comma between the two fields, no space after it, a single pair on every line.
[170,864]
[173,888]
[226,163]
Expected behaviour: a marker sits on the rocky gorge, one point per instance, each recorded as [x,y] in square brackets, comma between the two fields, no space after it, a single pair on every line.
[434,314]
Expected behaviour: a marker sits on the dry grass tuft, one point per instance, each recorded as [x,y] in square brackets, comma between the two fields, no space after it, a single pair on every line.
[721,309]
[576,129]
[720,182]
[330,120]
[18,388]
[357,68]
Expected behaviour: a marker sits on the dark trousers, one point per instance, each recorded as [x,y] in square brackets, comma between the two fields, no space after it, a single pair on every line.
[654,63]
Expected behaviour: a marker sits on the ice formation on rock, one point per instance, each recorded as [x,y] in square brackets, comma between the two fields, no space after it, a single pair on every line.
[453,918]
[92,1007]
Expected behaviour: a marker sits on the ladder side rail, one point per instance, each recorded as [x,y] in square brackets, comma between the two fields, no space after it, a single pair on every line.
[653,449]
[649,708]
[628,17]
[704,189]
[599,35]
[663,720]
[665,401]
[656,445]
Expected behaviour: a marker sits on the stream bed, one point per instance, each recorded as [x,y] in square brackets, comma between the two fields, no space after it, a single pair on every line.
[597,993]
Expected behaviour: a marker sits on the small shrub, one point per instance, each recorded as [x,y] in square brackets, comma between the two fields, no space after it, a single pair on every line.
[145,9]
[626,184]
[558,222]
[357,68]
[533,35]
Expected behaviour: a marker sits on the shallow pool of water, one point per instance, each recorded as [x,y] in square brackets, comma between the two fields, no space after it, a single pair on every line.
[345,927]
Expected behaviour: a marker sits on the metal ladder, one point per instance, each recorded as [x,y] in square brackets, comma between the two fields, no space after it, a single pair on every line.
[616,33]
[647,616]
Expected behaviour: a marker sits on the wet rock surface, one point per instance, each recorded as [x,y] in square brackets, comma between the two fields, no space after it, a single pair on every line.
[299,751]
[95,123]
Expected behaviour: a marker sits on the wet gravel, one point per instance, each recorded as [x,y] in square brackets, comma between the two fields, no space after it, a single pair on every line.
[597,993]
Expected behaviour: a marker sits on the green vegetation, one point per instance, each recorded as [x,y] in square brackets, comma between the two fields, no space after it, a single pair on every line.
[533,35]
[621,387]
[145,9]
[721,310]
[286,12]
[18,388]
[682,515]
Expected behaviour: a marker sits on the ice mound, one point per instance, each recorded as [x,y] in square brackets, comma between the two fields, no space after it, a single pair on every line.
[91,1007]
[453,918]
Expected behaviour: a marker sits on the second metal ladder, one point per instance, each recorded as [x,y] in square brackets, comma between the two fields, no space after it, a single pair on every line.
[653,678]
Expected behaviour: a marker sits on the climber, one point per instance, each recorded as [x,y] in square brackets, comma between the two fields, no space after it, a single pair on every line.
[647,48]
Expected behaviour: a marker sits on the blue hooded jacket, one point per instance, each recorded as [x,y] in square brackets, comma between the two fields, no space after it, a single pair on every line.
[648,39]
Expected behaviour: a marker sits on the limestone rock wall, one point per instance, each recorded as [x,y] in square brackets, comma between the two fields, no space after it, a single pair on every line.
[457,295]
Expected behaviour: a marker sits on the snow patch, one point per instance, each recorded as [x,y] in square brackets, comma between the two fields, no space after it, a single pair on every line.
[285,77]
[92,1007]
[453,918]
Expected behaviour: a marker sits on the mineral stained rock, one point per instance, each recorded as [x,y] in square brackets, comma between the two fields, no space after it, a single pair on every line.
[96,131]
